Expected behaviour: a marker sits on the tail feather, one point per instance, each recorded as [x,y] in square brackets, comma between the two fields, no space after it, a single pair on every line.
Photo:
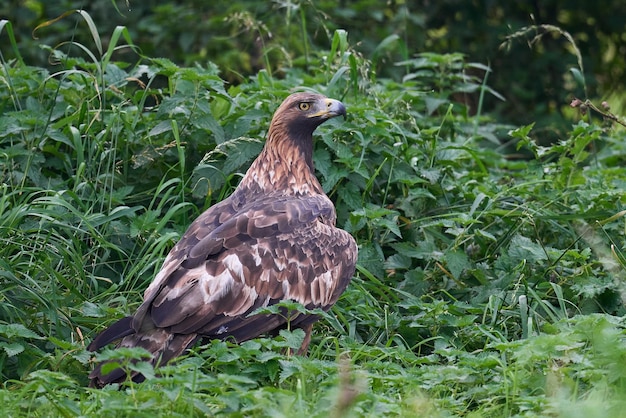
[162,345]
[117,331]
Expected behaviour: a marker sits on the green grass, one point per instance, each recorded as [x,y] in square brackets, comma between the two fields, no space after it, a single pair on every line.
[491,268]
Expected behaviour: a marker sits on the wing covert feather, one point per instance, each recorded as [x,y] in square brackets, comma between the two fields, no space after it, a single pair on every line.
[274,250]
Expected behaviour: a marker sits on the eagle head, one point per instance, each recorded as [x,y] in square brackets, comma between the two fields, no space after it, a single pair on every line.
[301,113]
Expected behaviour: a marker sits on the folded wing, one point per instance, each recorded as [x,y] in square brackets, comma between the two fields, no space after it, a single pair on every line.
[276,248]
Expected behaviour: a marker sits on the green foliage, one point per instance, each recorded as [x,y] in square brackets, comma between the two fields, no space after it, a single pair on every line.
[489,282]
[543,52]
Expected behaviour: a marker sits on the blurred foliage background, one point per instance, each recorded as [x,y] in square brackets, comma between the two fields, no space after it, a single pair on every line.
[533,68]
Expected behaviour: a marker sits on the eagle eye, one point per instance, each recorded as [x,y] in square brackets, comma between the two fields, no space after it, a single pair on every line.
[304,106]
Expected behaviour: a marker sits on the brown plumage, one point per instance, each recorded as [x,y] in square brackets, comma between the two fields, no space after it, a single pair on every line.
[273,239]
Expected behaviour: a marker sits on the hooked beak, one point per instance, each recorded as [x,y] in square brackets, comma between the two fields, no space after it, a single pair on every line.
[329,108]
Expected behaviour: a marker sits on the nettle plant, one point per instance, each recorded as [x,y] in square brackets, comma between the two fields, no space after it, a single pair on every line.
[465,243]
[106,163]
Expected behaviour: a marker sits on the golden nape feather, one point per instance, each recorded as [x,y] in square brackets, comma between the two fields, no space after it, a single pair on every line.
[273,239]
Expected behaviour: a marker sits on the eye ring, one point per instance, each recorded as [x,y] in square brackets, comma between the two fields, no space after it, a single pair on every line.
[304,106]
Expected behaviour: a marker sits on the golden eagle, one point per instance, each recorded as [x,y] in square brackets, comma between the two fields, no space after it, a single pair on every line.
[274,239]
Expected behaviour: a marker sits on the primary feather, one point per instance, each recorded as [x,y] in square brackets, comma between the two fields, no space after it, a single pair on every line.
[273,239]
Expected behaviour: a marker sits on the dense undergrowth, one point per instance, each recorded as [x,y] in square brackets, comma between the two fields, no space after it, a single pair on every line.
[491,269]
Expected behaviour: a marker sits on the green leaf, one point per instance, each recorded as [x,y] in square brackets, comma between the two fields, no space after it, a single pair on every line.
[457,262]
[12,349]
[522,248]
[385,44]
[339,42]
[292,339]
[433,103]
[9,30]
[485,234]
[160,128]
[144,368]
[18,331]
[578,76]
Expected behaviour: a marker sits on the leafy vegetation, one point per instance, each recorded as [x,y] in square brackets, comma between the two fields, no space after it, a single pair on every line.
[491,270]
[532,62]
